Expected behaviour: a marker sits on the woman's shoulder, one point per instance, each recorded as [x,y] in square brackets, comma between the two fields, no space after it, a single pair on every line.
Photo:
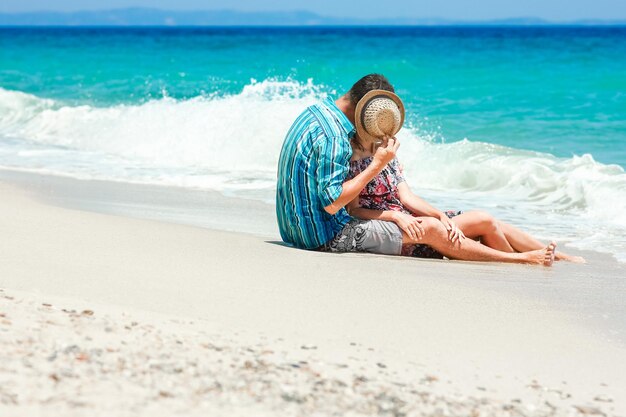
[357,164]
[360,163]
[395,164]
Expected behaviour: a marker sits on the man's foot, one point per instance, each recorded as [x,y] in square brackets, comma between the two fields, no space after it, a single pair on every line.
[560,256]
[543,256]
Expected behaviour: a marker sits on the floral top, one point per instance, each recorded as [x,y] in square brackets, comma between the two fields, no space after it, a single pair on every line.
[381,193]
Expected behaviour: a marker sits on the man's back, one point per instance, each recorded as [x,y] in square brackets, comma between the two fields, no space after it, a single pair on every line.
[313,165]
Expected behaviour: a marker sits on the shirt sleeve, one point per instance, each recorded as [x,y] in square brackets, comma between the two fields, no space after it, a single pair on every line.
[332,156]
[396,170]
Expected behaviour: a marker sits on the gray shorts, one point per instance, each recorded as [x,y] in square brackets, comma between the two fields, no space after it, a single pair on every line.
[373,236]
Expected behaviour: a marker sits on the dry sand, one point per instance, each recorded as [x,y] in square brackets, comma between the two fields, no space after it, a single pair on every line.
[269,330]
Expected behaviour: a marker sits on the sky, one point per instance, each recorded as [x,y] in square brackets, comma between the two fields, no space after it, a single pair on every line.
[556,10]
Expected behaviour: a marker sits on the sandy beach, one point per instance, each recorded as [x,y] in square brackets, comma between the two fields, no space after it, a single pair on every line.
[104,314]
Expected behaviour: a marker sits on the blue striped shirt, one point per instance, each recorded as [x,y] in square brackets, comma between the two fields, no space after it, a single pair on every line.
[313,165]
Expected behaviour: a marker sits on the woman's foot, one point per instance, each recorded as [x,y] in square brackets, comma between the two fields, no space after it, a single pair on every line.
[543,256]
[560,256]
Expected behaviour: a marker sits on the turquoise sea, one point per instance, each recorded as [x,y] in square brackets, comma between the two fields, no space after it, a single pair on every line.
[526,122]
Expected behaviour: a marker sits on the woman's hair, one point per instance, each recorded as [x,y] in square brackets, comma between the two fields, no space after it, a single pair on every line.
[355,142]
[368,83]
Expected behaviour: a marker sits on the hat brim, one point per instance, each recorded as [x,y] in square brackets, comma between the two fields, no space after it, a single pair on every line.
[362,104]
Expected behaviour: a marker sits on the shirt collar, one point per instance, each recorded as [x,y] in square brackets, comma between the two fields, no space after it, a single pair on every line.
[341,118]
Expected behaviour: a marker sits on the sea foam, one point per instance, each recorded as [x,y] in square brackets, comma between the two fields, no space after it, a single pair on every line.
[231,144]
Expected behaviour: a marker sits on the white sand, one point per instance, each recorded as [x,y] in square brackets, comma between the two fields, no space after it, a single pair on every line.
[455,331]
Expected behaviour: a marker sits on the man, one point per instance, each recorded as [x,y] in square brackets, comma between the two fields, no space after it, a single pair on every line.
[311,194]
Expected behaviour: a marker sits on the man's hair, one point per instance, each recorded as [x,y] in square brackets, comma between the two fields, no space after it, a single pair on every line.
[368,83]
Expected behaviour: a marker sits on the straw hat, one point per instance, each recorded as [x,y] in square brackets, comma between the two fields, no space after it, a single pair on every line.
[378,114]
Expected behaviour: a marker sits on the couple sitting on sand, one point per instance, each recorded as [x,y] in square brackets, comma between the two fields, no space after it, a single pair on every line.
[341,189]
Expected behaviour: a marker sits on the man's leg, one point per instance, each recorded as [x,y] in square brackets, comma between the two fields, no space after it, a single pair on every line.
[373,236]
[436,236]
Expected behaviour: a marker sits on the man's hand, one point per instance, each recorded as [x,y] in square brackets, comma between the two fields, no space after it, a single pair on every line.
[410,225]
[454,233]
[386,152]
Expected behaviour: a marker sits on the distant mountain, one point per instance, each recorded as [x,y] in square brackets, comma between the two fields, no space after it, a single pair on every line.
[156,17]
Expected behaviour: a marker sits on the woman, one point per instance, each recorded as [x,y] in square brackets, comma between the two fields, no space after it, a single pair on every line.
[388,197]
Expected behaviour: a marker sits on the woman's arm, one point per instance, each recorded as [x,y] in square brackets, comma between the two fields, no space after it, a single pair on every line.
[409,224]
[415,204]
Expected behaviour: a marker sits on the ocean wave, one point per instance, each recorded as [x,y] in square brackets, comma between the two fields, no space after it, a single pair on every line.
[232,142]
[232,132]
[577,185]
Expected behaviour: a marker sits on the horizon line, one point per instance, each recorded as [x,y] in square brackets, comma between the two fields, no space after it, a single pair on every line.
[300,18]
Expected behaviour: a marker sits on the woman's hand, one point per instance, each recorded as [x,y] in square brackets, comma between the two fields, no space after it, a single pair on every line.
[410,225]
[454,233]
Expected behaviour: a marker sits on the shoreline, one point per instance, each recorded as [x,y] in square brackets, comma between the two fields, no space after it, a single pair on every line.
[187,206]
[193,207]
[487,330]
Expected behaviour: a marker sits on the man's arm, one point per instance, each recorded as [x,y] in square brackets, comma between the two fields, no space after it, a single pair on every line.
[352,188]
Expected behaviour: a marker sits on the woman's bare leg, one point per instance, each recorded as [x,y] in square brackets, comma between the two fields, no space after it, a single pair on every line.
[523,242]
[479,224]
[502,236]
[436,236]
